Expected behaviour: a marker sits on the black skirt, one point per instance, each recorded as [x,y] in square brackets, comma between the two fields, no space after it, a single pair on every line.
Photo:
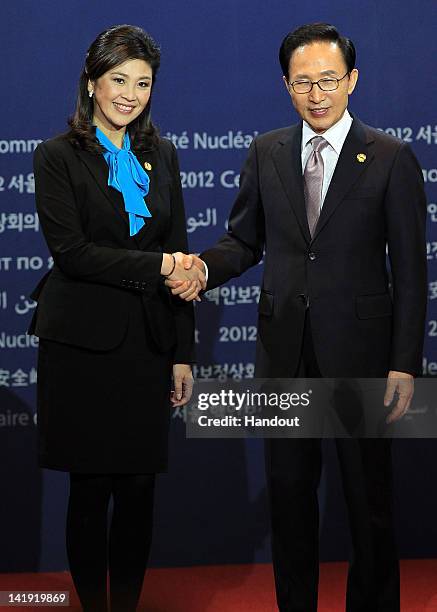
[105,412]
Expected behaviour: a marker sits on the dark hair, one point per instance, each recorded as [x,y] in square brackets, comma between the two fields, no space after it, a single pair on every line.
[111,48]
[314,32]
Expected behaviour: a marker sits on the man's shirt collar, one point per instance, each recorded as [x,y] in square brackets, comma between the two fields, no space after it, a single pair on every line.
[335,135]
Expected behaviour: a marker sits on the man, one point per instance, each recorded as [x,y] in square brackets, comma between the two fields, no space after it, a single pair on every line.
[325,199]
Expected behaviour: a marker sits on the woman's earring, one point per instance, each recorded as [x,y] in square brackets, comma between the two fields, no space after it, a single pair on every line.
[90,93]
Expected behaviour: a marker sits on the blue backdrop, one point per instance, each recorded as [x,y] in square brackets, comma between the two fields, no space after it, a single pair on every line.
[219,85]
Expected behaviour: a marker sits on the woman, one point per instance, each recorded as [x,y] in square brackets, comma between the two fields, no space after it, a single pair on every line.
[109,199]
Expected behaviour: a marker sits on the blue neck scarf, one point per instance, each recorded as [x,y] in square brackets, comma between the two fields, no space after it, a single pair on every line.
[127,176]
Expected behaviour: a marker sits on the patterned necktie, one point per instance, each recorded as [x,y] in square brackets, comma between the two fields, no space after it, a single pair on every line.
[313,182]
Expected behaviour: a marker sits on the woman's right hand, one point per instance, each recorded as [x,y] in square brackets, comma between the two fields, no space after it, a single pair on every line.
[193,278]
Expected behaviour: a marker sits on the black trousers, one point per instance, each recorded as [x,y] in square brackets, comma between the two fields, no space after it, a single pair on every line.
[293,473]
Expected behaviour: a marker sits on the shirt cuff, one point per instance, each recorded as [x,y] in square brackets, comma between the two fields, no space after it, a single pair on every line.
[206,272]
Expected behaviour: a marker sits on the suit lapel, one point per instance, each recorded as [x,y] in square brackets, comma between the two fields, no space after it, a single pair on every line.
[287,157]
[148,162]
[351,164]
[98,169]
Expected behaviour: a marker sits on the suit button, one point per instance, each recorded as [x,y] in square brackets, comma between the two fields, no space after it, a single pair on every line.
[305,299]
[312,255]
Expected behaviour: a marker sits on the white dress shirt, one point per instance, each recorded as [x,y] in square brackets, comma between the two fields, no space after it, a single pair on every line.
[335,136]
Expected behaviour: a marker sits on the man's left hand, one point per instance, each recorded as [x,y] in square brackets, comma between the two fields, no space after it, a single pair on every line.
[402,384]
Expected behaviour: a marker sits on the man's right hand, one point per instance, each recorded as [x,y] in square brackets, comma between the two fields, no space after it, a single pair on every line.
[184,288]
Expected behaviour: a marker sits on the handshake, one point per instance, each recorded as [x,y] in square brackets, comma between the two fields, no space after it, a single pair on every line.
[185,275]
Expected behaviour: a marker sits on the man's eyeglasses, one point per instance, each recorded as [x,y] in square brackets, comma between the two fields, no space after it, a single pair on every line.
[304,86]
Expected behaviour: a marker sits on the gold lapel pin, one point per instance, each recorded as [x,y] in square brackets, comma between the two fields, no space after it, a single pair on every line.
[361,157]
[147,166]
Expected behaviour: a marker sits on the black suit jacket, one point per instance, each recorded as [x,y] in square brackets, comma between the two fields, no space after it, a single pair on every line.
[361,324]
[99,269]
